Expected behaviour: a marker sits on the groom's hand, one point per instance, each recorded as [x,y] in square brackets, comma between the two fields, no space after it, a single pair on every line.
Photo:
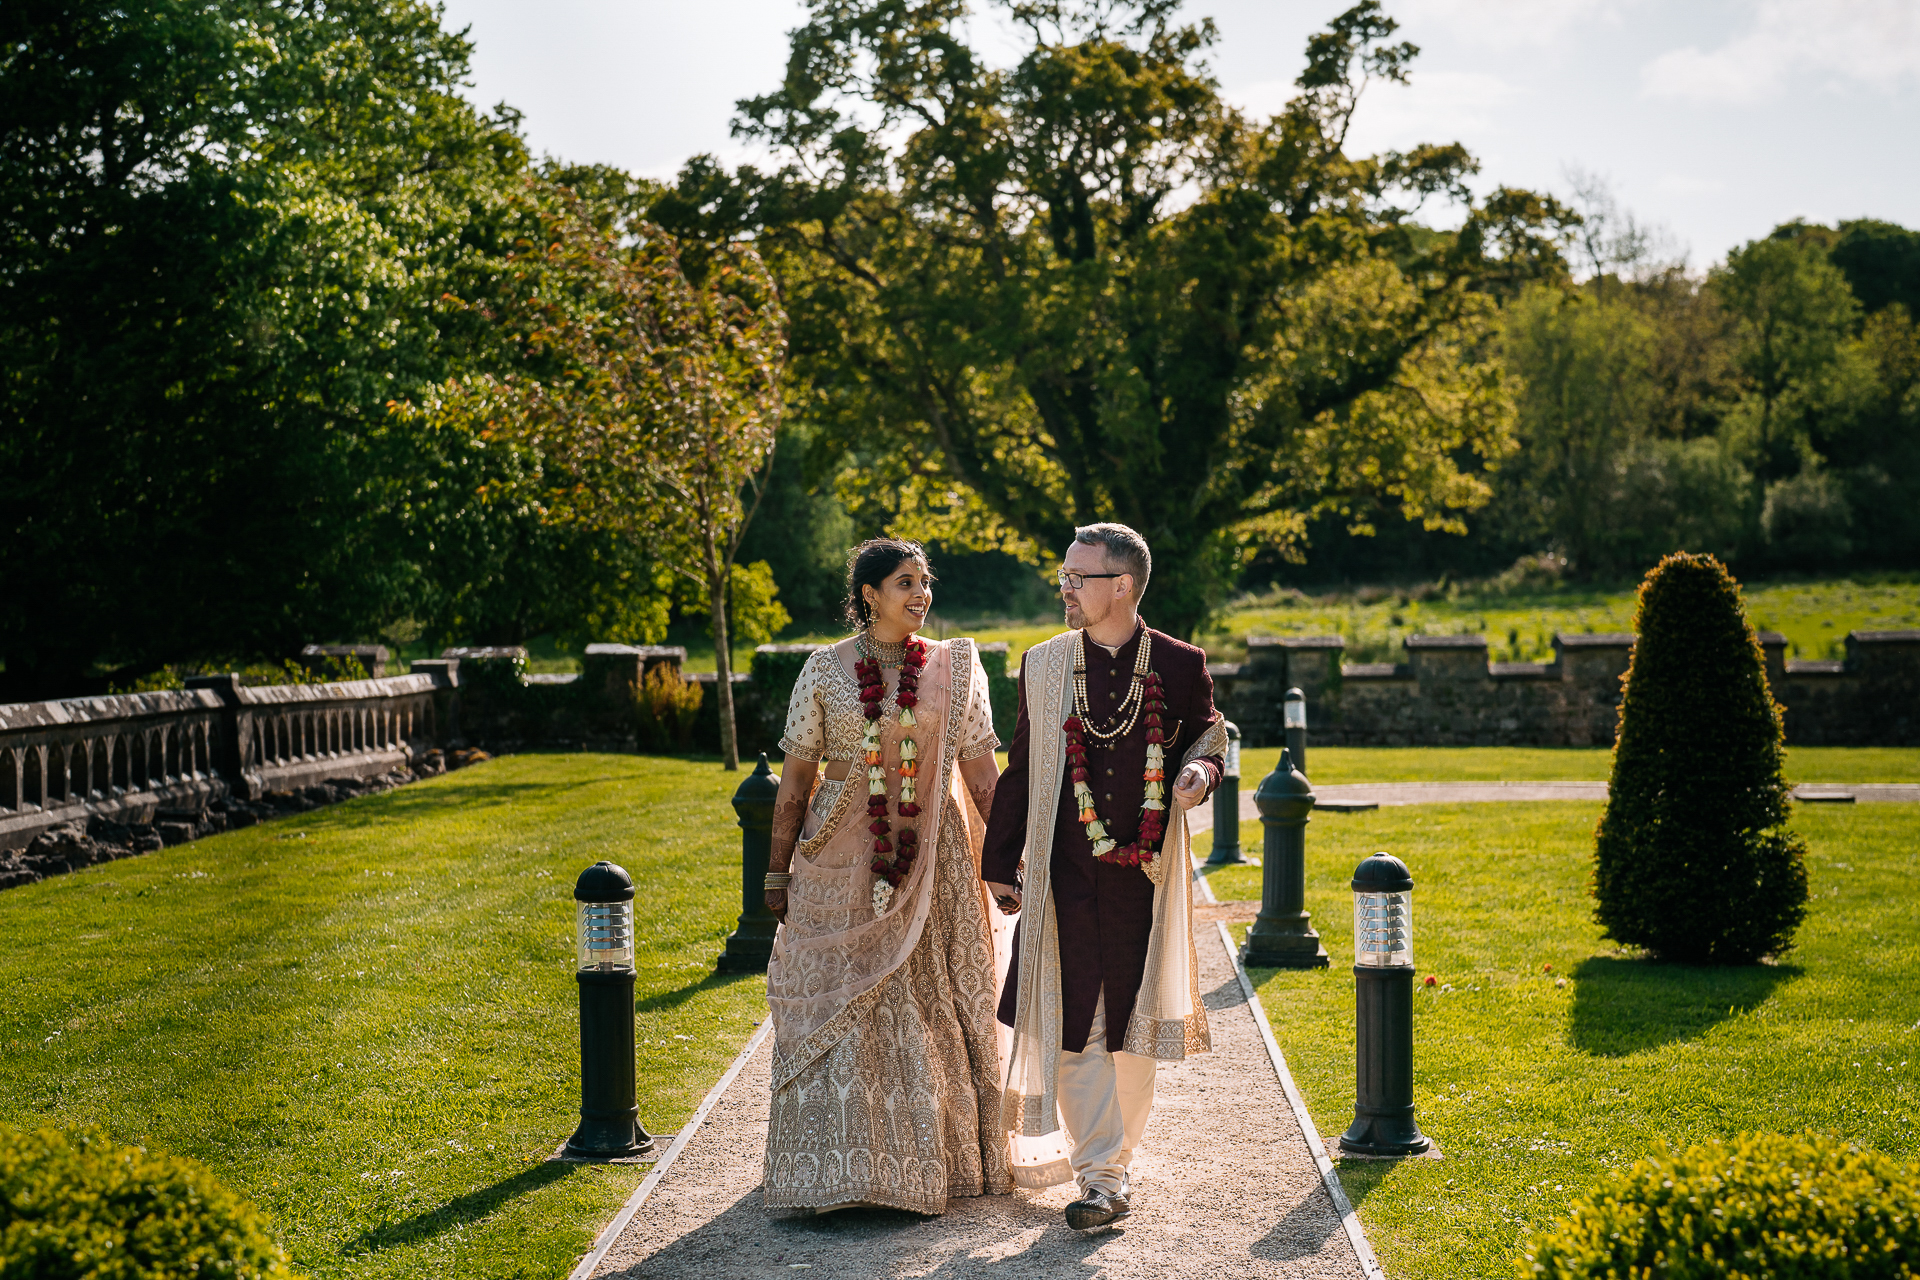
[1005,896]
[1190,788]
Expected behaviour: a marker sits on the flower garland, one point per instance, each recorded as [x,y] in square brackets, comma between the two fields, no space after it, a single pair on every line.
[1153,805]
[891,863]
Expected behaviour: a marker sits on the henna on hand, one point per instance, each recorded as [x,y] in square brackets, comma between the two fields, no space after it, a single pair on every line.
[983,800]
[776,900]
[789,812]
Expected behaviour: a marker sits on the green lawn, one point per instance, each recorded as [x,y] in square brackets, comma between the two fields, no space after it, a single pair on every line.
[1532,1090]
[364,1018]
[1554,764]
[1814,616]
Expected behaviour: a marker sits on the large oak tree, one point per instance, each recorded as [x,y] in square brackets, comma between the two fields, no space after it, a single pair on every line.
[1085,287]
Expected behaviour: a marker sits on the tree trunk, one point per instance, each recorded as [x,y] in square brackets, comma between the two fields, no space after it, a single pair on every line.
[723,660]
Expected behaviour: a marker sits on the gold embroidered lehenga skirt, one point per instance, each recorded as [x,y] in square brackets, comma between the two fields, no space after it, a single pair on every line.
[890,1096]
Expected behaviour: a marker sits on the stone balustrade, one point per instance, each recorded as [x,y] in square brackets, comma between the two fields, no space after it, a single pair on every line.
[130,757]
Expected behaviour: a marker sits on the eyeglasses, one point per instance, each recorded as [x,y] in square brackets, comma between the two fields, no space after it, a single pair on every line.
[1075,581]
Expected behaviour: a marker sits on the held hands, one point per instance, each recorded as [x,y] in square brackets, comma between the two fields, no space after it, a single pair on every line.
[1005,896]
[1190,788]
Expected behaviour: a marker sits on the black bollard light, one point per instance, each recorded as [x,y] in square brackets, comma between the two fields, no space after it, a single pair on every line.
[1383,1123]
[751,945]
[1293,718]
[1226,807]
[1282,935]
[609,1114]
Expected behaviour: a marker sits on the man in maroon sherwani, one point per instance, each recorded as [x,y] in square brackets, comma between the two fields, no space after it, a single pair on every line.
[1104,910]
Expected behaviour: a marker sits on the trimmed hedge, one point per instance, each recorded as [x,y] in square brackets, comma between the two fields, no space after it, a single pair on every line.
[1760,1207]
[75,1206]
[1692,859]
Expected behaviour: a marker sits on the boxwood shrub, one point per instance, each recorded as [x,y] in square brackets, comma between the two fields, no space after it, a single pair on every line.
[1758,1207]
[76,1206]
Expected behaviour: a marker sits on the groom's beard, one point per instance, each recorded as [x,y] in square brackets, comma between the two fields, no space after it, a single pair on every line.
[1076,618]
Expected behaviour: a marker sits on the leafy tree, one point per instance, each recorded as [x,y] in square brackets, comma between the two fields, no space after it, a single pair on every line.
[1693,859]
[222,228]
[1795,318]
[1881,261]
[1084,287]
[646,399]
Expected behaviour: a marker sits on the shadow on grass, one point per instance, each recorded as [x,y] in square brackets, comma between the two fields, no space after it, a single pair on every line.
[1623,1006]
[680,995]
[1359,1178]
[460,1210]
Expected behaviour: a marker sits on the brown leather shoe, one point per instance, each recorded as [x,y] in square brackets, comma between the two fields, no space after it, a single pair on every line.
[1100,1208]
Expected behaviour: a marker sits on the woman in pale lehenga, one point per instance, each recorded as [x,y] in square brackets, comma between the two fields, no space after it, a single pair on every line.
[886,1074]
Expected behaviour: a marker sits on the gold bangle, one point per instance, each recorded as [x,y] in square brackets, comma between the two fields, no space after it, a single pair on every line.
[777,880]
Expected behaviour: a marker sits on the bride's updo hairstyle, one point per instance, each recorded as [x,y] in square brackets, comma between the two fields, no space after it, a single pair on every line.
[870,564]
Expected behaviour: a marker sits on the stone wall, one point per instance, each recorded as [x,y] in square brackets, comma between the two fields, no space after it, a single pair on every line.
[1446,693]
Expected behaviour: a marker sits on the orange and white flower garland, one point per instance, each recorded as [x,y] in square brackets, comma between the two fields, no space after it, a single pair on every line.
[891,863]
[1153,804]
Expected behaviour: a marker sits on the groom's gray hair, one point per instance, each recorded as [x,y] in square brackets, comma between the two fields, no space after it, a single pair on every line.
[1126,551]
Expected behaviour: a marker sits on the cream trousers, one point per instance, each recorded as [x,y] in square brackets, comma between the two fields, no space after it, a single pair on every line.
[1105,1099]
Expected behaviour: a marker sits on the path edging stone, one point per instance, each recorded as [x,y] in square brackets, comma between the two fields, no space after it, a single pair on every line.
[1356,1235]
[611,1234]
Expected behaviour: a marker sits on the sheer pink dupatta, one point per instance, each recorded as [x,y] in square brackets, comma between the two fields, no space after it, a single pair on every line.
[832,954]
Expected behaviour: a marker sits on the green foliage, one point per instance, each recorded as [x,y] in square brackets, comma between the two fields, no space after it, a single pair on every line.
[1537,1091]
[1004,313]
[223,229]
[665,709]
[364,1018]
[1806,1207]
[1881,261]
[76,1206]
[1692,859]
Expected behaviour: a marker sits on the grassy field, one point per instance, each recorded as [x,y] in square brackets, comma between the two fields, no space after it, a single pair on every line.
[1532,1089]
[364,1018]
[1554,764]
[1814,616]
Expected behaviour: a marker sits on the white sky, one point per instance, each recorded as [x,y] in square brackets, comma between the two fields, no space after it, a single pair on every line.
[1716,118]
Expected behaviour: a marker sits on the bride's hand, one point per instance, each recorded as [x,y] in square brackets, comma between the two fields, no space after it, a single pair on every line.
[777,903]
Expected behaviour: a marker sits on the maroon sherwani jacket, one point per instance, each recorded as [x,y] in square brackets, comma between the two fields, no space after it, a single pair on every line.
[1105,912]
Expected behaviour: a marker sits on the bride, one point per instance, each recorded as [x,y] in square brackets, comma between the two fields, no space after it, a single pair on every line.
[886,1077]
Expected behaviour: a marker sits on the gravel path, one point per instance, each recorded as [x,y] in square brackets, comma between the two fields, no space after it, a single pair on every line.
[1225,1184]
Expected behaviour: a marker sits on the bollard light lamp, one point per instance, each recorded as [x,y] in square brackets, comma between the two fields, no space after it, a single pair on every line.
[610,1126]
[1226,807]
[1383,914]
[1383,1122]
[1293,719]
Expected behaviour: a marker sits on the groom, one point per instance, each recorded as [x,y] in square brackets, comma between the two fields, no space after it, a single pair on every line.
[1119,953]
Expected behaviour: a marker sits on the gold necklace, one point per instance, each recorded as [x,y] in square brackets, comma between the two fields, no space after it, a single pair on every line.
[887,655]
[1128,713]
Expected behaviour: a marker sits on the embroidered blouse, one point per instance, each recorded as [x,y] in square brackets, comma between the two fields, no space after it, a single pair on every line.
[825,722]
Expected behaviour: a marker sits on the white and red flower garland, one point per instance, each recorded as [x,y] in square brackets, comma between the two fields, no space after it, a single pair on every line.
[1153,805]
[892,859]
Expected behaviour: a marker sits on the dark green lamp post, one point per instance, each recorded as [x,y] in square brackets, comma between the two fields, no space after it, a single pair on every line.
[1383,1123]
[1226,807]
[610,1126]
[751,945]
[1282,936]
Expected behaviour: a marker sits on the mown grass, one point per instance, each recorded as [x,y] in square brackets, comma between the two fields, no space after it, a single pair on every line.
[1814,616]
[364,1018]
[1553,764]
[1533,1090]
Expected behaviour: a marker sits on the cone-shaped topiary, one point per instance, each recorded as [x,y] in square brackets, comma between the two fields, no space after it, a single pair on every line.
[1692,859]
